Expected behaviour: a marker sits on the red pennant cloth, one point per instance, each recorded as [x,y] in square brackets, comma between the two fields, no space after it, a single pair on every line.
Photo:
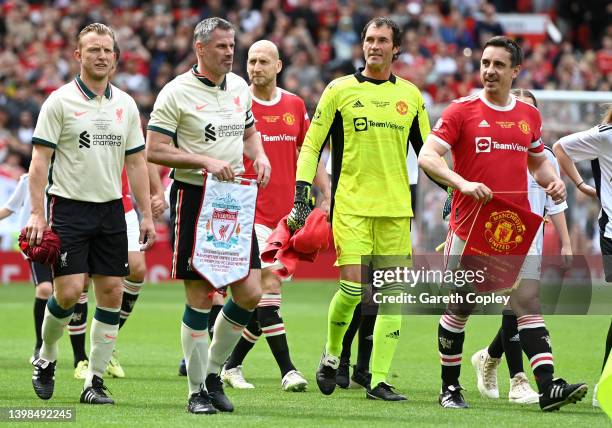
[305,244]
[46,253]
[498,243]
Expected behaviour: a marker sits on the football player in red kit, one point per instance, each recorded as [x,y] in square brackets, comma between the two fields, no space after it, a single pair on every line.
[282,121]
[493,136]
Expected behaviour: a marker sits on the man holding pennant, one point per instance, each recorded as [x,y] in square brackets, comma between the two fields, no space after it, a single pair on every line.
[493,137]
[202,120]
[86,132]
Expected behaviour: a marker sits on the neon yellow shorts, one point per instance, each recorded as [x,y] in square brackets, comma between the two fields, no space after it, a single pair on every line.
[357,236]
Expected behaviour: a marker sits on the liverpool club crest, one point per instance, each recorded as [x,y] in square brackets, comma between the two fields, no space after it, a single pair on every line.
[223,229]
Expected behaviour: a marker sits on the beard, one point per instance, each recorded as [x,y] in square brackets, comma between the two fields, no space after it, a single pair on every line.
[261,81]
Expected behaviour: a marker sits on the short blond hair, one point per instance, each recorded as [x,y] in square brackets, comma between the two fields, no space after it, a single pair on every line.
[98,28]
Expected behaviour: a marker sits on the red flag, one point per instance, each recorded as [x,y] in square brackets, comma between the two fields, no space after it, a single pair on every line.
[47,252]
[498,242]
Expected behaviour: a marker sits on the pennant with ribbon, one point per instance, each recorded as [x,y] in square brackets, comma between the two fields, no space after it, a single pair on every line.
[224,230]
[498,243]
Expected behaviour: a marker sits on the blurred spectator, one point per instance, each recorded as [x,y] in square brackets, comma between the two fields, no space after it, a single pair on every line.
[444,61]
[454,32]
[6,138]
[130,79]
[11,167]
[325,48]
[303,11]
[250,19]
[317,39]
[344,38]
[22,145]
[302,70]
[604,55]
[488,26]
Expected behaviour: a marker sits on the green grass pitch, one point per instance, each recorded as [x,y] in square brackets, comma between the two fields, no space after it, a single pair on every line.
[153,395]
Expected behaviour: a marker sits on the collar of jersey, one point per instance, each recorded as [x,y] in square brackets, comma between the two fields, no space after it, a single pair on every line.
[361,78]
[88,93]
[273,101]
[507,107]
[206,81]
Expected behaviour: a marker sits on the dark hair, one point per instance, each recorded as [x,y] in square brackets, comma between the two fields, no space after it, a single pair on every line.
[117,51]
[516,53]
[524,93]
[386,21]
[205,28]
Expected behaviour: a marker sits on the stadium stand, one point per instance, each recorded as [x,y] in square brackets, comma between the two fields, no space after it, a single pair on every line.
[567,44]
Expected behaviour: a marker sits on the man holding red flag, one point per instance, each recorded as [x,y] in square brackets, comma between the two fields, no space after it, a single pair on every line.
[282,121]
[493,136]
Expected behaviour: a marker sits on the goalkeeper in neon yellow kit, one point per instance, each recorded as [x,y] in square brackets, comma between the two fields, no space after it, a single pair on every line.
[370,118]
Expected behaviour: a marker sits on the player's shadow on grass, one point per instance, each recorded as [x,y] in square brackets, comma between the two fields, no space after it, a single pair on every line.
[148,378]
[505,408]
[331,413]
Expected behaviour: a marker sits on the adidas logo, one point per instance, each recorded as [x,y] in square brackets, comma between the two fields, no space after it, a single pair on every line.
[604,127]
[209,133]
[393,335]
[484,124]
[84,140]
[556,391]
[339,323]
[357,104]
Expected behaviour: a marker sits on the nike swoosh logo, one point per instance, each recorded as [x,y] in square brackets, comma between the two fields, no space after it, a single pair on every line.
[79,113]
[108,336]
[196,335]
[201,107]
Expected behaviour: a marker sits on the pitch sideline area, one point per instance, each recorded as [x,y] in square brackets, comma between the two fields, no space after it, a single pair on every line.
[153,395]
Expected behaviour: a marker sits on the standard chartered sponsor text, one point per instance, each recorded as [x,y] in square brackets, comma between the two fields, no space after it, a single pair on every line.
[106,140]
[231,130]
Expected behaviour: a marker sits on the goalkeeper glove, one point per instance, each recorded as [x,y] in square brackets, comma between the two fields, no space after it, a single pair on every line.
[302,206]
[446,211]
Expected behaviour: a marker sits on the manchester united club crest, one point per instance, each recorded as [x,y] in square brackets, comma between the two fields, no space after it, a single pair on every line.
[223,229]
[524,127]
[289,119]
[119,115]
[401,107]
[504,231]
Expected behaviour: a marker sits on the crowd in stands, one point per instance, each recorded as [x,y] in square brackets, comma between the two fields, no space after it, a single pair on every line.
[318,40]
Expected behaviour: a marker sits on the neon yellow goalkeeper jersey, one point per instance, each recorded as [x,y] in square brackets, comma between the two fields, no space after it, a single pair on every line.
[369,124]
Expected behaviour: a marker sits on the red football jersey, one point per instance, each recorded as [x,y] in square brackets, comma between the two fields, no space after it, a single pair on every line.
[282,123]
[126,196]
[490,144]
